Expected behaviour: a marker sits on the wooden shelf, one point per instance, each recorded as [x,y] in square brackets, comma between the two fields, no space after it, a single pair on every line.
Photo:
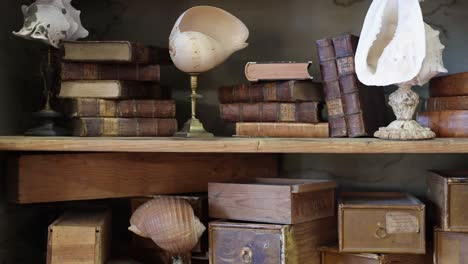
[232,145]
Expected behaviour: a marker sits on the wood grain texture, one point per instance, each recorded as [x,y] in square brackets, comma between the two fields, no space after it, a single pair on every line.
[112,175]
[282,130]
[449,85]
[450,247]
[330,255]
[446,123]
[232,145]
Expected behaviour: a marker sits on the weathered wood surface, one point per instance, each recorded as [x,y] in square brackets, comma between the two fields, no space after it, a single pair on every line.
[330,255]
[450,247]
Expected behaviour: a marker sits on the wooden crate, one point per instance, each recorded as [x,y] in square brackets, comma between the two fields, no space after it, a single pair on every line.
[381,223]
[233,243]
[330,255]
[79,238]
[448,192]
[450,247]
[281,201]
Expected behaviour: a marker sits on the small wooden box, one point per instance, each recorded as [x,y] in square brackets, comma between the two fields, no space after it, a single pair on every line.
[79,237]
[330,255]
[234,243]
[450,247]
[269,200]
[448,191]
[381,223]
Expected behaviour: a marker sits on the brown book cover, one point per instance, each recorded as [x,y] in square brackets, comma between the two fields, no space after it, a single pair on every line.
[124,127]
[93,107]
[274,71]
[331,88]
[94,71]
[449,85]
[447,103]
[287,91]
[302,112]
[109,89]
[282,130]
[114,51]
[449,123]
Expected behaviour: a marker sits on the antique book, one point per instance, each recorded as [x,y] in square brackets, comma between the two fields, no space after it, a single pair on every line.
[269,200]
[449,85]
[80,237]
[282,130]
[302,112]
[381,222]
[92,107]
[449,123]
[331,88]
[282,91]
[237,242]
[114,51]
[105,71]
[274,71]
[450,247]
[124,127]
[448,193]
[447,103]
[330,255]
[110,89]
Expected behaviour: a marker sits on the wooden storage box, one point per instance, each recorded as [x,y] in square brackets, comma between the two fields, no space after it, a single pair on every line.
[330,255]
[450,247]
[448,191]
[269,200]
[79,237]
[381,223]
[234,243]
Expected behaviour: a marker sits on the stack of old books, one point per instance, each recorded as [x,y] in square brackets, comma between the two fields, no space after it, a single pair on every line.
[112,89]
[447,106]
[280,101]
[354,110]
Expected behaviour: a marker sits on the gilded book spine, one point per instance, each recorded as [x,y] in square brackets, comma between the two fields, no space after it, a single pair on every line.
[124,72]
[124,127]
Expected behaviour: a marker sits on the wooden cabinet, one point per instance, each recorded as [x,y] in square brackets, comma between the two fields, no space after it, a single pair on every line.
[450,247]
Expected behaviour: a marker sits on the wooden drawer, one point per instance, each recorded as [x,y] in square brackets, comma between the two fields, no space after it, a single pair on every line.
[448,192]
[330,255]
[268,200]
[234,243]
[381,223]
[450,247]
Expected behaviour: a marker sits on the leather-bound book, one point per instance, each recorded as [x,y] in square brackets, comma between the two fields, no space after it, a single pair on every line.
[449,123]
[331,88]
[124,127]
[111,71]
[302,112]
[114,51]
[284,91]
[93,107]
[274,71]
[447,103]
[109,89]
[364,106]
[449,85]
[282,130]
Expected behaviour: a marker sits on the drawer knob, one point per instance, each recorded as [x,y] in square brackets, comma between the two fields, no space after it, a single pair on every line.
[246,255]
[381,232]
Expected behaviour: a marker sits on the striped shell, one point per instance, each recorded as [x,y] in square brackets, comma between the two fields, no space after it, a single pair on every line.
[170,222]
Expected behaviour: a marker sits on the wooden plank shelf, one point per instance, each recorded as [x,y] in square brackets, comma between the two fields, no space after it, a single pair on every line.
[232,145]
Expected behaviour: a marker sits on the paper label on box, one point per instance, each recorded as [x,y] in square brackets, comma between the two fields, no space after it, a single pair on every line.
[401,222]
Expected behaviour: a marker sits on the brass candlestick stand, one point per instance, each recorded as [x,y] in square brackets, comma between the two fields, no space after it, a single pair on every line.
[193,128]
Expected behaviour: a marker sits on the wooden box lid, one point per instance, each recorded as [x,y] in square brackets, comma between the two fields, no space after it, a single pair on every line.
[452,176]
[378,199]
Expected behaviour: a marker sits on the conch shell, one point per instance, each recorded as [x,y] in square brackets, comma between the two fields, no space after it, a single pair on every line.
[396,46]
[51,21]
[203,37]
[170,222]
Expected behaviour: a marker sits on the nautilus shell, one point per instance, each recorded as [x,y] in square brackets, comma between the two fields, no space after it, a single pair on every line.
[51,21]
[170,222]
[396,46]
[204,37]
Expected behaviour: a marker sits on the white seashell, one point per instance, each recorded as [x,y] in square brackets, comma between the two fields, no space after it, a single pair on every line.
[51,21]
[205,36]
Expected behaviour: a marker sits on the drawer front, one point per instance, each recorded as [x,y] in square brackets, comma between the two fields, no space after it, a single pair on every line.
[451,248]
[249,246]
[382,231]
[458,215]
[337,258]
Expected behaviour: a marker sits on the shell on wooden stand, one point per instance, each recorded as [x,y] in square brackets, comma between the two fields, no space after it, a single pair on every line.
[170,222]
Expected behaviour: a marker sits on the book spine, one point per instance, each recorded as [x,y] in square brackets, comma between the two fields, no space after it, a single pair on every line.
[123,108]
[135,90]
[446,123]
[92,71]
[449,85]
[303,112]
[283,130]
[258,92]
[142,54]
[447,103]
[331,87]
[124,127]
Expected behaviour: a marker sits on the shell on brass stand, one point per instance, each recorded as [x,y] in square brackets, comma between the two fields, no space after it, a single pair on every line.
[170,222]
